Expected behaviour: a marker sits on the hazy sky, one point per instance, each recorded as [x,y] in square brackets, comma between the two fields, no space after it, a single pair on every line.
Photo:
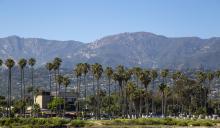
[88,20]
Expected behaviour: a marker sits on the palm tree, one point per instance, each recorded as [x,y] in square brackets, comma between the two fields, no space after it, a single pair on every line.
[145,80]
[164,73]
[98,74]
[109,73]
[49,67]
[137,71]
[126,77]
[130,88]
[210,77]
[22,63]
[162,88]
[10,64]
[78,74]
[66,82]
[119,76]
[59,80]
[85,70]
[56,67]
[31,63]
[175,76]
[93,78]
[201,78]
[153,75]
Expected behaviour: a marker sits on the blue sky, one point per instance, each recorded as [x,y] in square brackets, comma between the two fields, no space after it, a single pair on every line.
[88,20]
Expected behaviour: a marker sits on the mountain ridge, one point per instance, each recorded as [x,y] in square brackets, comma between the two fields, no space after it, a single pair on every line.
[143,49]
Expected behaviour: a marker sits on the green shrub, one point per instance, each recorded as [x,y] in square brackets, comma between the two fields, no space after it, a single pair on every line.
[182,123]
[78,123]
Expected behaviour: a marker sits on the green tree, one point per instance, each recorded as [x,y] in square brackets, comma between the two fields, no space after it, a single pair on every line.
[55,103]
[35,110]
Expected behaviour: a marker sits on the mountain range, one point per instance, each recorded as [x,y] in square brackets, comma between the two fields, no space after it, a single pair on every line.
[130,49]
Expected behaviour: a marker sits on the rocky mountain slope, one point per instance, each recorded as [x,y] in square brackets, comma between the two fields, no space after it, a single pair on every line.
[130,49]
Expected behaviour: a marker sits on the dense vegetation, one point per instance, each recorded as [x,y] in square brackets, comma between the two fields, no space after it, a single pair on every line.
[59,122]
[118,92]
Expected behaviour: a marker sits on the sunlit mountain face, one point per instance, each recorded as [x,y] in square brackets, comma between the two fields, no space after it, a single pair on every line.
[130,49]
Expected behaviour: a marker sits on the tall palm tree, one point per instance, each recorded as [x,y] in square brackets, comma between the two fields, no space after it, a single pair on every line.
[126,78]
[66,82]
[210,77]
[10,64]
[145,80]
[56,67]
[78,74]
[49,67]
[59,80]
[153,76]
[85,70]
[175,77]
[162,88]
[98,74]
[31,63]
[22,63]
[119,77]
[130,88]
[201,78]
[137,71]
[109,73]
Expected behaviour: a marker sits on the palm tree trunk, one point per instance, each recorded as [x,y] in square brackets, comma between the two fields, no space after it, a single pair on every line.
[32,82]
[24,92]
[9,92]
[109,98]
[77,95]
[98,98]
[152,101]
[162,104]
[50,81]
[55,76]
[64,106]
[85,95]
[126,102]
[94,94]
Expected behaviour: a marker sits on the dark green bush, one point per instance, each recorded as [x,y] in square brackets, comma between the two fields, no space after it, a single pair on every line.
[78,123]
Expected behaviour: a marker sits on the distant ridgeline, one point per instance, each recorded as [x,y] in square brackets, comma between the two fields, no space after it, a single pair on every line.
[129,49]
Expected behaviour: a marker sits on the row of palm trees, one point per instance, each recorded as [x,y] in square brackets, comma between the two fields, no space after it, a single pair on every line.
[128,79]
[22,63]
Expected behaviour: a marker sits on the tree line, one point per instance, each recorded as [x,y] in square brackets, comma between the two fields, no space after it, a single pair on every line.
[137,91]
